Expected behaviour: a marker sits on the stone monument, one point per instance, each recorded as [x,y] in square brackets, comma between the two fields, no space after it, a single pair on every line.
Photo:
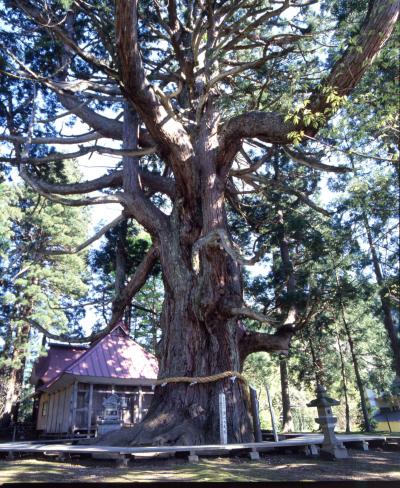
[111,418]
[331,448]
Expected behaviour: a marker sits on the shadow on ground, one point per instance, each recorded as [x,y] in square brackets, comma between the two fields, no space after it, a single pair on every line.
[371,465]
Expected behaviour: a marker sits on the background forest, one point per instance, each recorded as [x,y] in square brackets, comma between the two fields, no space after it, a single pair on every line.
[329,247]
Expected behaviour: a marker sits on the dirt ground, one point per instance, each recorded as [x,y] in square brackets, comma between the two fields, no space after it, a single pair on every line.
[374,465]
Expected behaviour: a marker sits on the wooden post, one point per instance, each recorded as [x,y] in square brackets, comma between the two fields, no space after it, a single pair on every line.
[255,414]
[49,420]
[223,433]
[66,409]
[140,403]
[55,412]
[89,422]
[276,438]
[74,401]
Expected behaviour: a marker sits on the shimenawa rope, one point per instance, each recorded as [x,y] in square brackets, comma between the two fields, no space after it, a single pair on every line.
[233,375]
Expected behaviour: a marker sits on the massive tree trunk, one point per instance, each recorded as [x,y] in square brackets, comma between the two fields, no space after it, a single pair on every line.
[201,335]
[200,328]
[198,339]
[190,347]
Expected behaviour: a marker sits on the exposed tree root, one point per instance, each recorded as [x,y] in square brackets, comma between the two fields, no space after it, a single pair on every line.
[161,429]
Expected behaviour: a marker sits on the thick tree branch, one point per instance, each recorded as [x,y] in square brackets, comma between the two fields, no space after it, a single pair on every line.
[83,202]
[345,74]
[109,128]
[113,180]
[84,245]
[106,127]
[154,182]
[372,36]
[268,126]
[36,185]
[55,27]
[256,181]
[91,136]
[251,342]
[134,284]
[312,162]
[66,337]
[83,151]
[169,134]
[252,314]
[77,86]
[137,203]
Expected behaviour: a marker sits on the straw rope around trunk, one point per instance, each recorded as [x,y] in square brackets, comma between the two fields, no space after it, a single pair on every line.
[233,375]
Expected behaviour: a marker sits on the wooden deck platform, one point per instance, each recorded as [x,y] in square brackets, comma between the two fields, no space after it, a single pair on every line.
[253,448]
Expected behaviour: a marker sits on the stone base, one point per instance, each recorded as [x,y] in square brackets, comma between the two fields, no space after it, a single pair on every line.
[254,455]
[107,427]
[193,458]
[363,445]
[122,462]
[334,452]
[311,450]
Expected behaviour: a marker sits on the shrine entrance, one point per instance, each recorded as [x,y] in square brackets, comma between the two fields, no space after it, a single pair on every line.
[98,406]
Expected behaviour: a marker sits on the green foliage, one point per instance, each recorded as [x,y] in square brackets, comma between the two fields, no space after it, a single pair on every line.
[142,315]
[36,286]
[31,276]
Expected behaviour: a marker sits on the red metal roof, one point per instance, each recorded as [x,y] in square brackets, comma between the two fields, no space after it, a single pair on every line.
[115,355]
[57,359]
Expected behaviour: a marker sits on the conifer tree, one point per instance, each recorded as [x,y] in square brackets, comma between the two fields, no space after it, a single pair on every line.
[35,287]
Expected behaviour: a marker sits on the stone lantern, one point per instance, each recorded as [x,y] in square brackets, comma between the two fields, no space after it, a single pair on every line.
[111,418]
[331,446]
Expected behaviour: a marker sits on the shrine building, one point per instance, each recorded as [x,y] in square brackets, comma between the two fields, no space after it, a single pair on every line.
[89,390]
